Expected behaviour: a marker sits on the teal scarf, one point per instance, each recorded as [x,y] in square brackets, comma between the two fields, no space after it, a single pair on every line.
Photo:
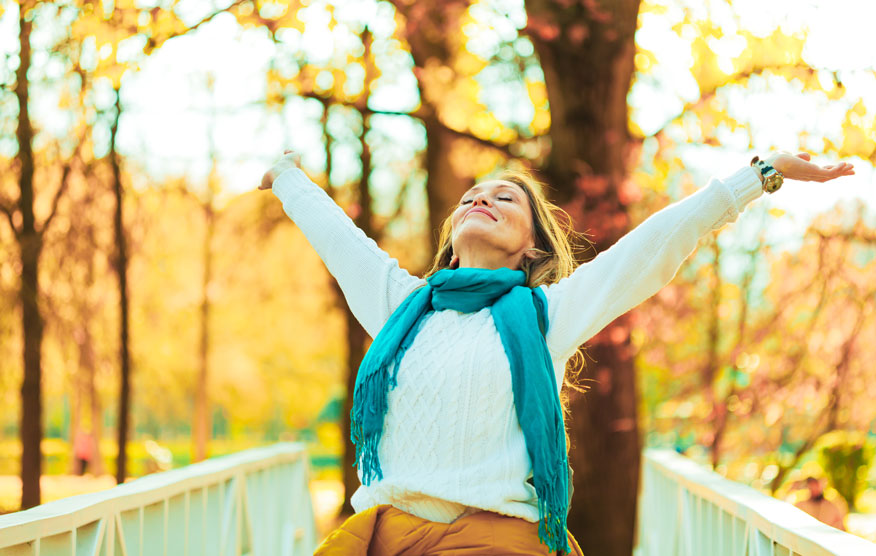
[520,315]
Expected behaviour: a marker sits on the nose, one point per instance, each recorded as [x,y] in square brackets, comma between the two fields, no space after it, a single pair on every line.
[481,199]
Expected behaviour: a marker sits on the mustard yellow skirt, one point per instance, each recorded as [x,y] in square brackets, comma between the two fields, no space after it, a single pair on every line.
[387,531]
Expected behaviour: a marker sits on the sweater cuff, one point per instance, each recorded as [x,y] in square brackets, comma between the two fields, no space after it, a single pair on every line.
[745,186]
[289,182]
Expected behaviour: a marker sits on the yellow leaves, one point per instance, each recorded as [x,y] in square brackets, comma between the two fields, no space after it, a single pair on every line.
[652,8]
[859,132]
[541,122]
[467,63]
[645,60]
[541,119]
[776,212]
[773,51]
[537,93]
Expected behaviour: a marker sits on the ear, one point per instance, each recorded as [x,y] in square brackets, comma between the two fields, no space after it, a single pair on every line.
[454,261]
[531,253]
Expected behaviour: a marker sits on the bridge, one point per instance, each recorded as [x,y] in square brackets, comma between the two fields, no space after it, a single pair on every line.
[257,503]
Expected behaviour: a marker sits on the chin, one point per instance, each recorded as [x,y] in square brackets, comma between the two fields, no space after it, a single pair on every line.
[476,236]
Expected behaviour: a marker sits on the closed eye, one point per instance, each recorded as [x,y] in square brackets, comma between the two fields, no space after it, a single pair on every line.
[503,198]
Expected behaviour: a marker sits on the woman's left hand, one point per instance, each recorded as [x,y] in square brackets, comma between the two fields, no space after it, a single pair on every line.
[290,159]
[799,168]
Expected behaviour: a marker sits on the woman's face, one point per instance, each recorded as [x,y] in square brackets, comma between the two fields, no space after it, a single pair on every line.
[495,217]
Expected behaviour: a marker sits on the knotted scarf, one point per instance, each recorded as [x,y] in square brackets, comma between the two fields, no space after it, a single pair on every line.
[520,316]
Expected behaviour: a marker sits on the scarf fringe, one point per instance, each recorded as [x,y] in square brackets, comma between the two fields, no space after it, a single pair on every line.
[553,504]
[371,406]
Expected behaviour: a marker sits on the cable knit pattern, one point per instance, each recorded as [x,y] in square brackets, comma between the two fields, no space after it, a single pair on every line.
[451,443]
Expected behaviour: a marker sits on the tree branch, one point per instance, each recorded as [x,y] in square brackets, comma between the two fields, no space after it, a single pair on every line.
[8,210]
[62,187]
[65,178]
[711,92]
[208,18]
[423,115]
[827,418]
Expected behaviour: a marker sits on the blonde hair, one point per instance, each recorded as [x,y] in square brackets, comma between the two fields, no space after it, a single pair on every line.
[554,252]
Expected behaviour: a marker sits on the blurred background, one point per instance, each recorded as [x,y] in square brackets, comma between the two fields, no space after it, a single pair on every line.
[152,300]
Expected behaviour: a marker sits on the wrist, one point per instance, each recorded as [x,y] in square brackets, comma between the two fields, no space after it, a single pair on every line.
[771,178]
[772,159]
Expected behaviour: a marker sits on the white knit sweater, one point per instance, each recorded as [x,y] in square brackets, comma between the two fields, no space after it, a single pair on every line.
[451,441]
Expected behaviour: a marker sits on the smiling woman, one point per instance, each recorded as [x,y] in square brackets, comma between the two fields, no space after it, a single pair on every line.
[527,232]
[457,421]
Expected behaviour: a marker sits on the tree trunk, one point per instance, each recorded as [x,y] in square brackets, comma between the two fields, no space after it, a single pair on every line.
[202,409]
[77,384]
[427,26]
[96,417]
[121,267]
[356,336]
[85,388]
[444,187]
[586,52]
[86,373]
[30,245]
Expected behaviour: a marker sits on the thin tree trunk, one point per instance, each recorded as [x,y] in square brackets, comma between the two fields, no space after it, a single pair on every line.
[76,403]
[710,369]
[586,51]
[202,423]
[85,388]
[96,418]
[121,267]
[30,244]
[356,336]
[202,410]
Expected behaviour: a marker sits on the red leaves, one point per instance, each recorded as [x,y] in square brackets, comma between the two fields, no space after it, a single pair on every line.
[542,29]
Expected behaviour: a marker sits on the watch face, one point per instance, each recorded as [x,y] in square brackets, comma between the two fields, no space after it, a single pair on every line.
[772,182]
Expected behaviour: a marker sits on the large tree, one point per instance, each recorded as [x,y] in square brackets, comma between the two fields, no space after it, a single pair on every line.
[586,50]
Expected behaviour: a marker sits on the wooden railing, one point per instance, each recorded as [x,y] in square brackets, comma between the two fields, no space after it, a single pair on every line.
[254,502]
[688,510]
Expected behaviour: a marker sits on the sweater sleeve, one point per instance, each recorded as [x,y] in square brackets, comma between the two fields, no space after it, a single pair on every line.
[641,262]
[373,283]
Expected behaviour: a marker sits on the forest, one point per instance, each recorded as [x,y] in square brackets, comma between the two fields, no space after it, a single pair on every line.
[151,296]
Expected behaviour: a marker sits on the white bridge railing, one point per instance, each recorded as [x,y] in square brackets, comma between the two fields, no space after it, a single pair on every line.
[687,510]
[254,502]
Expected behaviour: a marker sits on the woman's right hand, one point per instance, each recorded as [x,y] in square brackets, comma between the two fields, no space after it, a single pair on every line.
[290,160]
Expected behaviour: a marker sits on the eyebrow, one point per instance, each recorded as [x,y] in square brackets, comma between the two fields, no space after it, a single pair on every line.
[505,185]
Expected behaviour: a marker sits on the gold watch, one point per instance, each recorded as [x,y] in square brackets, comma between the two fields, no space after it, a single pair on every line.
[770,178]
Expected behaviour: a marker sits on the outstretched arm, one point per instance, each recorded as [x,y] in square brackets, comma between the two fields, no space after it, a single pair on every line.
[372,282]
[647,258]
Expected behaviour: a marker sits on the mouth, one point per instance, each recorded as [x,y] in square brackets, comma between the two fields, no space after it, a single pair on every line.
[481,211]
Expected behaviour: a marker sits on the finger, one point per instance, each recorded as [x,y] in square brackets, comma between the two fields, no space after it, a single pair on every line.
[267,181]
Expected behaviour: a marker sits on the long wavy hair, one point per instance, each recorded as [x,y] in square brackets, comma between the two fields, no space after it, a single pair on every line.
[553,254]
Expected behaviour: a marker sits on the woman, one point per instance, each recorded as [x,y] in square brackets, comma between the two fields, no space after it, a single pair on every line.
[456,417]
